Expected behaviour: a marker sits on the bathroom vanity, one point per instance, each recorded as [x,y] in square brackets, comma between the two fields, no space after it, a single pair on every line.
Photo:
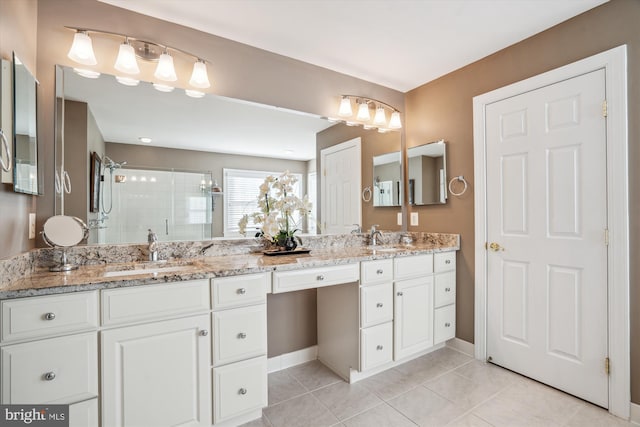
[97,338]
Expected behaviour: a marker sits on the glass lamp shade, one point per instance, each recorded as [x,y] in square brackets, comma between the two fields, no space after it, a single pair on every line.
[127,81]
[126,61]
[194,93]
[199,77]
[345,107]
[394,122]
[381,117]
[163,88]
[363,112]
[82,49]
[165,70]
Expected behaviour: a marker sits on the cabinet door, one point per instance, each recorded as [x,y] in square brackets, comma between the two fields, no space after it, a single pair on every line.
[239,388]
[413,316]
[157,374]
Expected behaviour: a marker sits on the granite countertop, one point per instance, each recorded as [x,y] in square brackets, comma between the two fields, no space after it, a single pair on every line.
[114,275]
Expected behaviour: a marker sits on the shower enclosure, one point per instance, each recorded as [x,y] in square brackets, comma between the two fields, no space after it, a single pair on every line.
[176,205]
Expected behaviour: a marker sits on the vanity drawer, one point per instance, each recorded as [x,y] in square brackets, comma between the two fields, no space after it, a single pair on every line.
[286,281]
[412,266]
[376,346]
[56,370]
[128,305]
[238,291]
[444,325]
[376,304]
[445,288]
[444,261]
[377,271]
[37,317]
[239,334]
[238,388]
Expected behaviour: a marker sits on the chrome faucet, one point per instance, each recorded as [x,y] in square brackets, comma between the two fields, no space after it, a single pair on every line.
[375,235]
[153,246]
[357,229]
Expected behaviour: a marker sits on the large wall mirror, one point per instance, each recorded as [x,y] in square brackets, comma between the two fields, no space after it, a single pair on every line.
[387,180]
[196,144]
[427,174]
[25,136]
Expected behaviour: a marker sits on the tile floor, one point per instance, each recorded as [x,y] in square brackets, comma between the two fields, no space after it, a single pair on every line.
[443,388]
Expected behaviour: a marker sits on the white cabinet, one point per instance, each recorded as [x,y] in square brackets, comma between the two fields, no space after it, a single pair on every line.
[239,388]
[413,316]
[376,346]
[84,414]
[444,322]
[156,374]
[376,304]
[239,334]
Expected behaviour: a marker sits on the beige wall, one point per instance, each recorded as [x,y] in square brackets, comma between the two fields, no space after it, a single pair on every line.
[18,32]
[443,109]
[373,144]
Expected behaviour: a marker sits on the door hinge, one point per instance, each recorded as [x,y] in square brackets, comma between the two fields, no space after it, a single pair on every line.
[606,237]
[607,365]
[604,108]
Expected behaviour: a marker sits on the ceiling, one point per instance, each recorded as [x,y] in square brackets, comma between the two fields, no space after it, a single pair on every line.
[400,44]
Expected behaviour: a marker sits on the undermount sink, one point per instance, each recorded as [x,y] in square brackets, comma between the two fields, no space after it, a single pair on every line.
[147,270]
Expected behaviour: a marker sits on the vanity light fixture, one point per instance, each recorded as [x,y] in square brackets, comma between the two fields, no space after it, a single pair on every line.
[89,74]
[163,88]
[363,116]
[132,49]
[194,93]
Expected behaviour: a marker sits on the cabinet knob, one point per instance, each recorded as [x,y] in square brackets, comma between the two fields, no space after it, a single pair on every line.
[447,289]
[242,391]
[242,291]
[204,333]
[320,277]
[49,316]
[49,376]
[448,261]
[379,305]
[446,325]
[242,335]
[379,271]
[399,294]
[379,347]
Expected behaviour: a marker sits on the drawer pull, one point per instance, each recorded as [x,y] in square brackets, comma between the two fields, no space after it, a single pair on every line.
[320,277]
[242,391]
[242,291]
[49,316]
[448,261]
[446,325]
[379,271]
[49,376]
[447,289]
[242,335]
[379,347]
[204,333]
[379,305]
[399,294]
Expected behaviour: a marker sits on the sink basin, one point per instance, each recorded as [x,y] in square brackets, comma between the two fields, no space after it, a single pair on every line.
[150,270]
[383,248]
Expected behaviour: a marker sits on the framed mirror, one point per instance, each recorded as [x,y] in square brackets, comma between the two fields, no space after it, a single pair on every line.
[387,180]
[25,135]
[427,174]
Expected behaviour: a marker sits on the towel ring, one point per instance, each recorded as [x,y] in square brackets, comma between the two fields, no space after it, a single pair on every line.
[455,179]
[5,166]
[365,198]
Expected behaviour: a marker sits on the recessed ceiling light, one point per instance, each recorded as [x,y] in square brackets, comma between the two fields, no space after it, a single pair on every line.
[145,139]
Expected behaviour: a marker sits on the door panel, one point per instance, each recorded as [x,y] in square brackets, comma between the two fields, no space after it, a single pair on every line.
[546,209]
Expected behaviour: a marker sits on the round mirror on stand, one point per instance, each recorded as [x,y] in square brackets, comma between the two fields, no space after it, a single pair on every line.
[63,231]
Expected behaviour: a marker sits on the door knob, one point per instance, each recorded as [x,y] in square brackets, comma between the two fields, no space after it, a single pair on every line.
[495,247]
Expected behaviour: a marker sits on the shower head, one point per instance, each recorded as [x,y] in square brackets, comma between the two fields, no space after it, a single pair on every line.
[109,163]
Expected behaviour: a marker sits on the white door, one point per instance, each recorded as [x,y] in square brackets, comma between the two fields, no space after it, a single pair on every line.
[157,374]
[546,220]
[340,187]
[412,316]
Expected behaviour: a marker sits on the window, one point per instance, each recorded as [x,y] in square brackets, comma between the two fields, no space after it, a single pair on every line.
[241,191]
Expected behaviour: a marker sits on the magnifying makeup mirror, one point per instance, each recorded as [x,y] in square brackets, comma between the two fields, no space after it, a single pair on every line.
[63,231]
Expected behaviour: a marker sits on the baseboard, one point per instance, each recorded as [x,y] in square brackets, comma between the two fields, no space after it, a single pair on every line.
[462,346]
[635,414]
[287,360]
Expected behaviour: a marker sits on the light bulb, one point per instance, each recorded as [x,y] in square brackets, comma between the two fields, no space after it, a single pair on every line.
[126,61]
[194,93]
[381,117]
[165,70]
[199,77]
[345,107]
[82,49]
[163,88]
[395,122]
[363,111]
[127,81]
